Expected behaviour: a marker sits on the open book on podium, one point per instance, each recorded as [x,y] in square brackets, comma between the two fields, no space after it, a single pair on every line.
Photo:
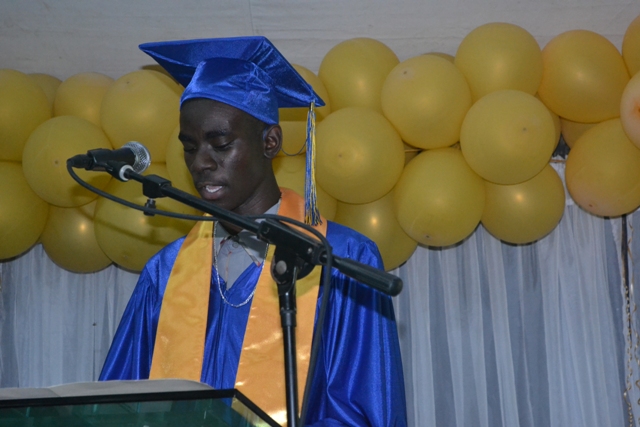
[143,403]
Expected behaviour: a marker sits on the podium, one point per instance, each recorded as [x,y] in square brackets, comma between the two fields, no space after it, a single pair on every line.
[144,403]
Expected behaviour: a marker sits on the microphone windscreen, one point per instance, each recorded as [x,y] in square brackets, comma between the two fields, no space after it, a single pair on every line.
[143,158]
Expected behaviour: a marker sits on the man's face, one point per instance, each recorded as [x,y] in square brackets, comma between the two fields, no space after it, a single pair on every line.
[226,154]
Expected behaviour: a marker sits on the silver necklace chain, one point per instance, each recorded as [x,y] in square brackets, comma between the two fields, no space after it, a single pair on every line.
[215,265]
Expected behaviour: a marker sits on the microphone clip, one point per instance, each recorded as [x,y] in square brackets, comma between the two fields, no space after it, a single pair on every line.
[151,204]
[117,170]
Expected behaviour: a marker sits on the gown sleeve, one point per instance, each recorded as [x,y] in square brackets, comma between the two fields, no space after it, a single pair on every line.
[358,379]
[131,350]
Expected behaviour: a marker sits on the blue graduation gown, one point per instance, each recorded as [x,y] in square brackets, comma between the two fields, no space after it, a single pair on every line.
[358,378]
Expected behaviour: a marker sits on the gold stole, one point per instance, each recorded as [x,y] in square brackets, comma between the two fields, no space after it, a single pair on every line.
[180,338]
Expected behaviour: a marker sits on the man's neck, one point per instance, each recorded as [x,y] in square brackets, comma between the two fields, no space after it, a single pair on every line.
[265,205]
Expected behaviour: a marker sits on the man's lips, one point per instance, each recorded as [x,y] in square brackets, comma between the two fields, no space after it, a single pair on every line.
[210,191]
[212,188]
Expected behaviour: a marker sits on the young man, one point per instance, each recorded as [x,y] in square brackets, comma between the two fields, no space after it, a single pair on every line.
[205,307]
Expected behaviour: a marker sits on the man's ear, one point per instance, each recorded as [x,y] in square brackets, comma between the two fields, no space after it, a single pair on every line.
[272,141]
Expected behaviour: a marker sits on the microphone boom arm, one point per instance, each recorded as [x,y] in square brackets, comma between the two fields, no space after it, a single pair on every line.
[273,232]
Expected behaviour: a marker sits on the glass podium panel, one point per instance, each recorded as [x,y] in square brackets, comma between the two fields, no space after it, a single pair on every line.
[206,408]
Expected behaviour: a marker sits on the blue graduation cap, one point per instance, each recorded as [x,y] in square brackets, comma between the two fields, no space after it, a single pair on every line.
[248,73]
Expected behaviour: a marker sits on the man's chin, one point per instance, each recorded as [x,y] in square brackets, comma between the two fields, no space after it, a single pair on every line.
[218,202]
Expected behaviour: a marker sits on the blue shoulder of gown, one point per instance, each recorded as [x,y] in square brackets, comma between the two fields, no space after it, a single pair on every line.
[358,378]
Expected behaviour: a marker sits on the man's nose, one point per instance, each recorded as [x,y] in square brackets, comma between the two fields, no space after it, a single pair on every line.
[204,159]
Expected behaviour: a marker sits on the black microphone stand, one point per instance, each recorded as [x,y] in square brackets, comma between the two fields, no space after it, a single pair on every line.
[285,268]
[295,256]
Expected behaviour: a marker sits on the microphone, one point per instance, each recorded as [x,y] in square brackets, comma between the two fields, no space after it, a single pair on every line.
[132,156]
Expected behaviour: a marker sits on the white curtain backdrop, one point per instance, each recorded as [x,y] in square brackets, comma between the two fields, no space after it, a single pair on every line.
[496,335]
[492,335]
[56,326]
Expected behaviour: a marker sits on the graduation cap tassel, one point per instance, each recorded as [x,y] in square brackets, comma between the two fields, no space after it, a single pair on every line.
[311,213]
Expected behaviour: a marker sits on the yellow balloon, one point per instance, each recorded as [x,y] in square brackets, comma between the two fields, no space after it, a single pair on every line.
[23,214]
[81,96]
[630,110]
[177,170]
[70,241]
[603,171]
[377,221]
[49,84]
[45,160]
[300,114]
[572,131]
[426,99]
[127,236]
[631,47]
[23,107]
[507,137]
[439,199]
[354,71]
[556,121]
[525,212]
[290,173]
[158,69]
[583,77]
[498,56]
[294,138]
[446,56]
[360,156]
[556,125]
[142,106]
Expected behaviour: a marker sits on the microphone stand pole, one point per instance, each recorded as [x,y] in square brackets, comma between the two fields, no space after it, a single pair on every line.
[286,267]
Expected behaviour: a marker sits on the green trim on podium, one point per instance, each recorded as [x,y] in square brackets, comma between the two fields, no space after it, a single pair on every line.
[203,407]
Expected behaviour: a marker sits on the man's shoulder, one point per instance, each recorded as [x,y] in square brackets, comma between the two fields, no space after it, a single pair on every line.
[164,258]
[349,243]
[335,229]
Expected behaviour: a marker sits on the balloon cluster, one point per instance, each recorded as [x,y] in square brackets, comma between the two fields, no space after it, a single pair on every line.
[43,122]
[485,124]
[413,152]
